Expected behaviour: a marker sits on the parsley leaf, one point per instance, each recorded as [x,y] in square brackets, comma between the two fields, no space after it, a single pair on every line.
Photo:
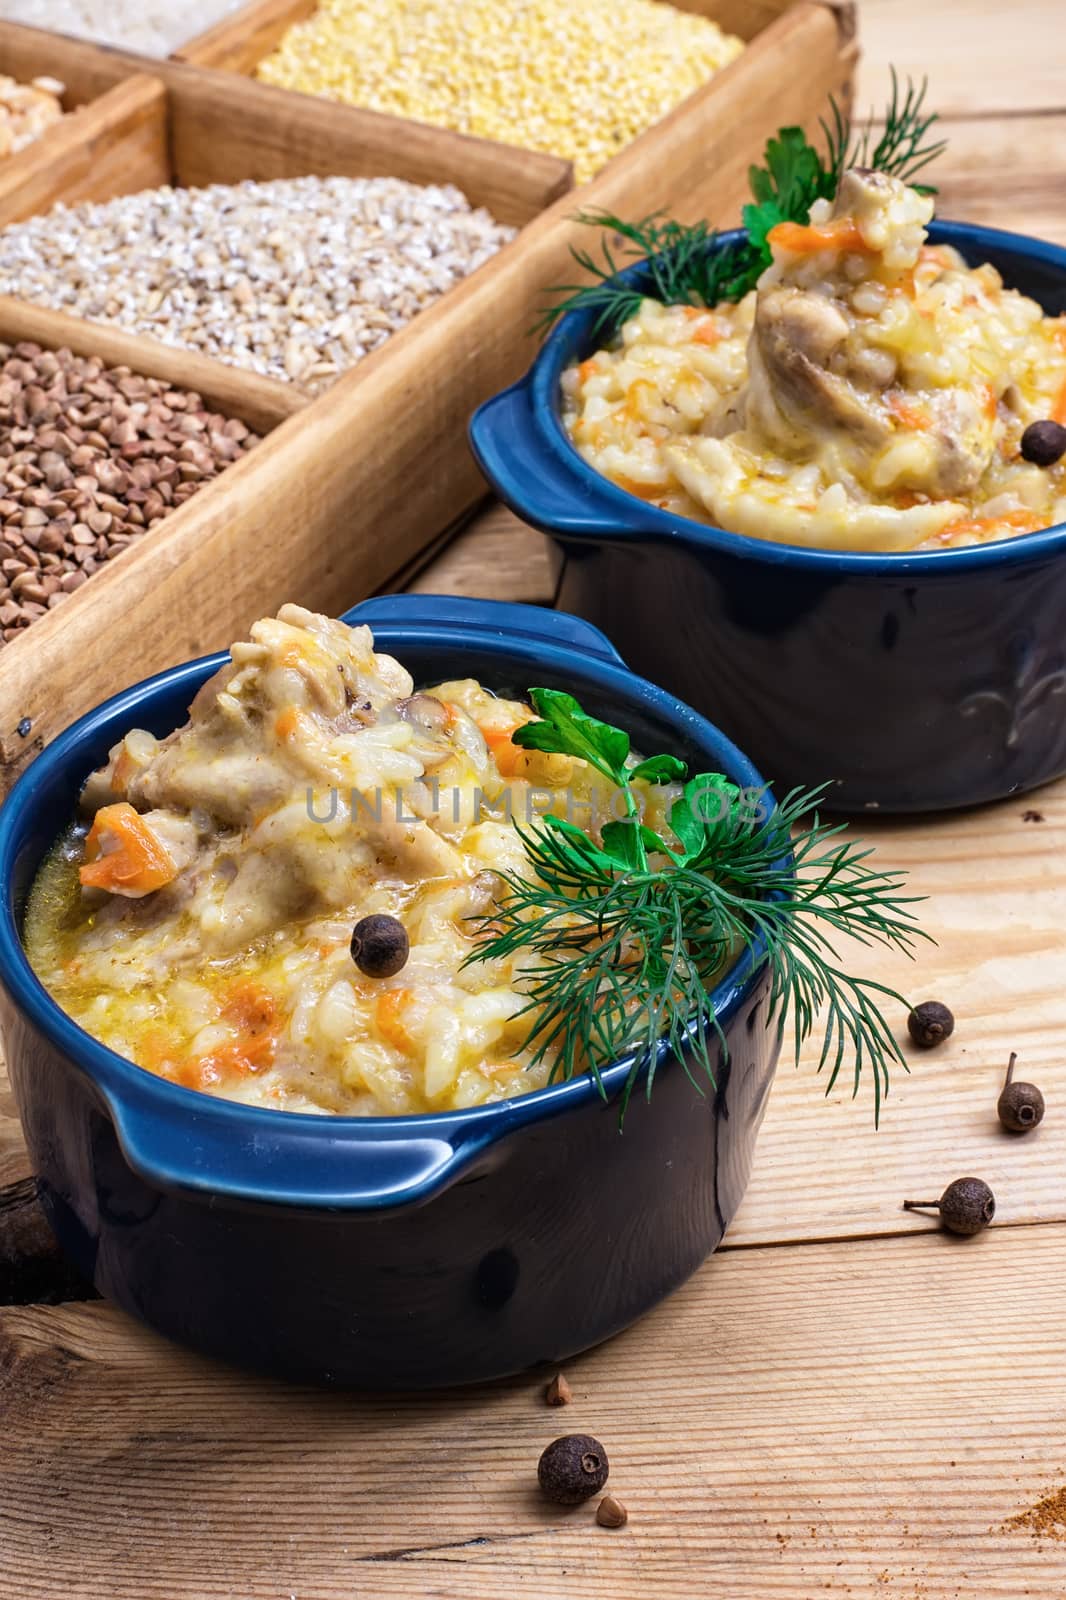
[565,729]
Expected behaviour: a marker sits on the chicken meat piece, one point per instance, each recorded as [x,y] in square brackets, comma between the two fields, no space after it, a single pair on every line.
[792,384]
[297,780]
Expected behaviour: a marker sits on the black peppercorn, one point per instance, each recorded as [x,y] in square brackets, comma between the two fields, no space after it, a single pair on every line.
[380,946]
[1044,443]
[1021,1105]
[572,1469]
[930,1024]
[966,1206]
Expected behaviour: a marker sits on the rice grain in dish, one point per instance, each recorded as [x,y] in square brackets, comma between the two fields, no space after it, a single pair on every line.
[198,921]
[870,394]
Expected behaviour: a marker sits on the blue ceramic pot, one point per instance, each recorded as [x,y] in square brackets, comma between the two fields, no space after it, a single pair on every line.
[393,1251]
[913,682]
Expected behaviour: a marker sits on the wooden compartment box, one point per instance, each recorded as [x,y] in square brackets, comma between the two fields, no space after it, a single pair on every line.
[142,129]
[241,41]
[349,488]
[213,130]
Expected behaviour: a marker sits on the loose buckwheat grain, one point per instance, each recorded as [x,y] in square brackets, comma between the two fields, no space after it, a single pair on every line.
[91,457]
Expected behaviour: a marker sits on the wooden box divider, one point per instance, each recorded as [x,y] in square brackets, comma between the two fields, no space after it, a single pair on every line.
[221,121]
[346,490]
[260,402]
[239,42]
[105,146]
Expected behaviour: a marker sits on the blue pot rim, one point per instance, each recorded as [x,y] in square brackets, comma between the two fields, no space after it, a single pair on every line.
[615,504]
[477,1127]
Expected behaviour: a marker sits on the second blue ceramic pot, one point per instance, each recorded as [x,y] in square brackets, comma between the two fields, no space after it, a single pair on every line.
[382,1252]
[912,682]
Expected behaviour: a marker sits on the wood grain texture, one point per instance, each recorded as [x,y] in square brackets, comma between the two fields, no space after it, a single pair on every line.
[87,70]
[1007,172]
[224,125]
[14,1160]
[240,41]
[855,1419]
[832,1420]
[497,556]
[983,58]
[996,887]
[111,146]
[32,1268]
[748,18]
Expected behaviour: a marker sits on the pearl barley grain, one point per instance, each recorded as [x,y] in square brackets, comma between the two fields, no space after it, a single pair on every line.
[296,279]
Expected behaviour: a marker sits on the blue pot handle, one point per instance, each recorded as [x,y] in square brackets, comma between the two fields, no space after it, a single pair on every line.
[504,618]
[266,1157]
[540,477]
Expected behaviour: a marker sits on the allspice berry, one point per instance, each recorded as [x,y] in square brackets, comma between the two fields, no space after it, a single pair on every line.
[1021,1105]
[380,946]
[966,1206]
[572,1469]
[930,1024]
[1043,443]
[611,1513]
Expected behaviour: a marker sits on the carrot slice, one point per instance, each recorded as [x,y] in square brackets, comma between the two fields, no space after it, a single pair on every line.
[123,855]
[503,750]
[803,239]
[251,1007]
[388,1014]
[913,417]
[985,528]
[635,398]
[643,491]
[706,332]
[238,1060]
[285,723]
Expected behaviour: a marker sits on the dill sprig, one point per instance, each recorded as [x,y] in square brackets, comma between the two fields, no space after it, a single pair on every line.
[684,267]
[684,264]
[903,148]
[621,942]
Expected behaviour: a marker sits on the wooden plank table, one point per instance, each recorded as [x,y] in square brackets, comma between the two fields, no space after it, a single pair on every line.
[844,1401]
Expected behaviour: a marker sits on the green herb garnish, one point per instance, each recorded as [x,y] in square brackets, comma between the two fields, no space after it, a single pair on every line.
[630,934]
[687,270]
